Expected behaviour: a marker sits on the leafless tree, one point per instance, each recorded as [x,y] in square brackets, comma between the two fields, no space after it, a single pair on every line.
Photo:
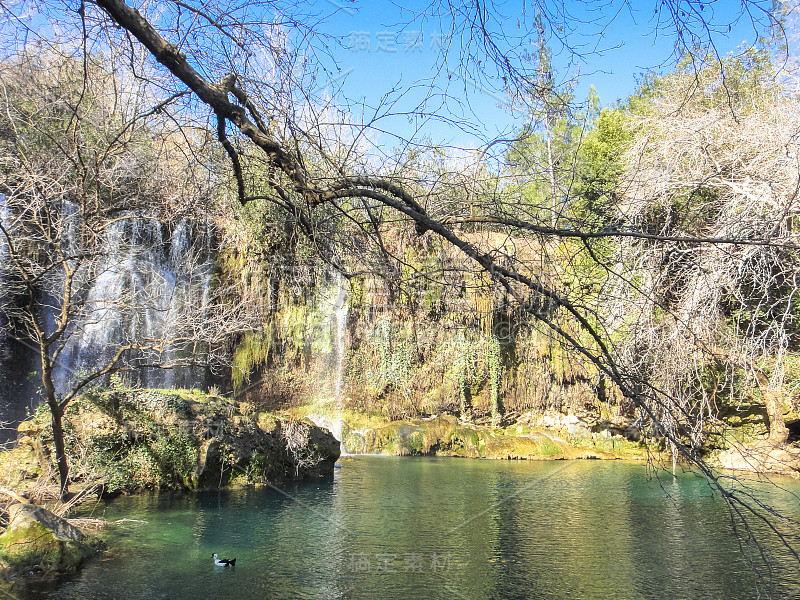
[91,197]
[698,170]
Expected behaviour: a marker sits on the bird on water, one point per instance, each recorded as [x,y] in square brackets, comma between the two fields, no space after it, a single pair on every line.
[223,562]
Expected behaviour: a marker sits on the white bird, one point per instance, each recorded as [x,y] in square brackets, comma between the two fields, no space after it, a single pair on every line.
[223,562]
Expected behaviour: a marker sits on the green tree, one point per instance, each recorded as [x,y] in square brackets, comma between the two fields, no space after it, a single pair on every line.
[600,167]
[544,153]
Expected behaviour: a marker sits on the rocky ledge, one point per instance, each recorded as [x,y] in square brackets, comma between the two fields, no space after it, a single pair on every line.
[446,435]
[762,457]
[129,440]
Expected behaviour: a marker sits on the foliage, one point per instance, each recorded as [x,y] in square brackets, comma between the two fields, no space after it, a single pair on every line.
[88,177]
[155,448]
[692,199]
[600,168]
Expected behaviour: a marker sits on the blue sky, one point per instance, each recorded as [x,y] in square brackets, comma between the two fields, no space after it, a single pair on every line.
[385,49]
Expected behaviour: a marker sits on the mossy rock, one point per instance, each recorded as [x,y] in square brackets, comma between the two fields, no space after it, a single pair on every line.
[531,447]
[35,536]
[322,443]
[414,442]
[354,442]
[267,423]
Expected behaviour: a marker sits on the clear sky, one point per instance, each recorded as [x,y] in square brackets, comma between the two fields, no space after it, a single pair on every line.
[385,49]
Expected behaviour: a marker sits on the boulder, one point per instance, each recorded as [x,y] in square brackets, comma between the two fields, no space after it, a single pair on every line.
[325,445]
[762,457]
[37,537]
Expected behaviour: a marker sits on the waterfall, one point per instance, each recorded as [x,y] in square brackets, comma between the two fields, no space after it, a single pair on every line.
[19,390]
[149,282]
[190,266]
[5,298]
[5,219]
[340,315]
[147,286]
[332,311]
[340,309]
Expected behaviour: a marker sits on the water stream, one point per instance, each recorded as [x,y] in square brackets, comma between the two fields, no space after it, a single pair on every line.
[333,310]
[18,359]
[403,528]
[340,315]
[340,312]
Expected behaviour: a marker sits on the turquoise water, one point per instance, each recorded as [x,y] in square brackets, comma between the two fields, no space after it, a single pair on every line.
[388,528]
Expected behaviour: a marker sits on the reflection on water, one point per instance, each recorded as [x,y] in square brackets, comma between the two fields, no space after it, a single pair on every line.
[429,528]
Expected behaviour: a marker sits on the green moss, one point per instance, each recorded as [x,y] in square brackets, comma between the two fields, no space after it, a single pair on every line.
[148,455]
[36,545]
[549,448]
[20,463]
[414,442]
[251,352]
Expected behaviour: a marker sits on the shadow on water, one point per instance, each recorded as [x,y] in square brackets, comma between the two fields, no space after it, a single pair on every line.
[428,528]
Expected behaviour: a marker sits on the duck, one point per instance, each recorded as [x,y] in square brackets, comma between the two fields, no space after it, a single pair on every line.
[223,562]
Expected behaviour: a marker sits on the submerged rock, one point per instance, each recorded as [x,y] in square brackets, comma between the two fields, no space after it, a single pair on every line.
[36,537]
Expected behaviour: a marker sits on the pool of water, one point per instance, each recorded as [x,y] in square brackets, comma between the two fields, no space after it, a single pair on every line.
[403,528]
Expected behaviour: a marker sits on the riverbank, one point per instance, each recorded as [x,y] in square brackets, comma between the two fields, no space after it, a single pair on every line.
[545,435]
[127,440]
[529,436]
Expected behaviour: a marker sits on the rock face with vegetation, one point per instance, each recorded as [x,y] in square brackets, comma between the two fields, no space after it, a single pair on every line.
[125,440]
[633,311]
[446,436]
[597,267]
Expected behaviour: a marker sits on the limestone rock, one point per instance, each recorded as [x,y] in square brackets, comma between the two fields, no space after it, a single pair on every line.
[324,444]
[36,536]
[22,515]
[762,457]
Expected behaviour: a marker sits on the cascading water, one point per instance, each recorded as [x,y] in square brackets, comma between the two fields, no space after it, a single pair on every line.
[5,216]
[333,310]
[147,287]
[190,265]
[148,284]
[340,313]
[18,360]
[340,316]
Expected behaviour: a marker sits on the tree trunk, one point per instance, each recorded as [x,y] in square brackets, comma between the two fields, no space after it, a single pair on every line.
[61,454]
[778,432]
[56,414]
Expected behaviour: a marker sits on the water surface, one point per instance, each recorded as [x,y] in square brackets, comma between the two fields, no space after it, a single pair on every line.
[402,528]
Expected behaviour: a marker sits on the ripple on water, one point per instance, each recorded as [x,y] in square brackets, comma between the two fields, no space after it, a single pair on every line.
[389,528]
